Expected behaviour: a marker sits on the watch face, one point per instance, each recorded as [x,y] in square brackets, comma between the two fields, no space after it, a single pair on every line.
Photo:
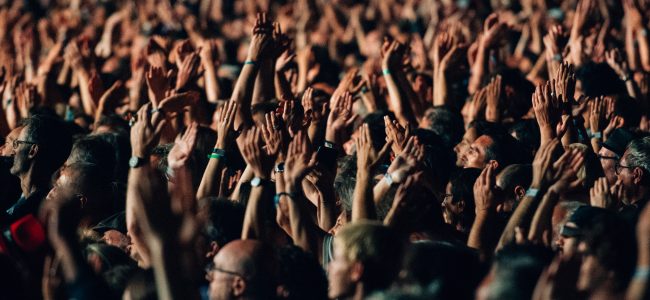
[256,181]
[133,162]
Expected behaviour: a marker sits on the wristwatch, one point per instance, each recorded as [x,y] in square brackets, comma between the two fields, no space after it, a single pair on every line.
[136,162]
[256,181]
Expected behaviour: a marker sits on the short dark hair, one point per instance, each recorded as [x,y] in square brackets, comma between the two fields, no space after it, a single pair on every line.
[516,270]
[504,149]
[93,150]
[225,221]
[516,175]
[462,187]
[53,139]
[446,123]
[300,274]
[527,133]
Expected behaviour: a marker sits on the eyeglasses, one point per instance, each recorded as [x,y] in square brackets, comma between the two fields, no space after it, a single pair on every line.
[607,157]
[16,143]
[212,268]
[618,167]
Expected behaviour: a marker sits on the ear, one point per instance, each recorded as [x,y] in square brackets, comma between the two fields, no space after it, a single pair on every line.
[356,272]
[33,150]
[461,205]
[83,200]
[494,163]
[637,175]
[520,192]
[214,248]
[238,286]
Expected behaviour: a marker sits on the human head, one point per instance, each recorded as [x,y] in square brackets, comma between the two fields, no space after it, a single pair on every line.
[474,130]
[514,272]
[7,148]
[445,123]
[458,203]
[513,181]
[42,146]
[573,231]
[300,276]
[608,254]
[633,169]
[87,184]
[93,150]
[527,133]
[500,149]
[224,223]
[367,255]
[243,269]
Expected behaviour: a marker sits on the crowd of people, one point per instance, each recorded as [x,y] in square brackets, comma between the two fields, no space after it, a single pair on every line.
[314,149]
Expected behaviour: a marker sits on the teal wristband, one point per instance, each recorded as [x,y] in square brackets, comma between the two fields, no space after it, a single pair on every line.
[385,71]
[249,62]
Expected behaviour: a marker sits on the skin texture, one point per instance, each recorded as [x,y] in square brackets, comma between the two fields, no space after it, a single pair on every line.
[7,148]
[608,164]
[340,276]
[474,157]
[461,148]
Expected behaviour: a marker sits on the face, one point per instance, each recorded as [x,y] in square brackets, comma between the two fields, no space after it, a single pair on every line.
[7,148]
[592,273]
[117,239]
[222,276]
[461,148]
[567,246]
[339,274]
[626,178]
[608,160]
[450,210]
[22,159]
[474,157]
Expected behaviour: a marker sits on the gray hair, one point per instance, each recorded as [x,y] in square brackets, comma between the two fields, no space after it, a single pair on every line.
[638,153]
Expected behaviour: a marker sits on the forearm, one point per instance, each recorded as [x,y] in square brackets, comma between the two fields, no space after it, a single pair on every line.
[644,48]
[171,277]
[87,101]
[395,97]
[630,48]
[210,183]
[480,236]
[305,234]
[326,209]
[363,206]
[380,190]
[253,227]
[211,82]
[478,69]
[282,87]
[246,176]
[542,219]
[264,89]
[520,218]
[242,94]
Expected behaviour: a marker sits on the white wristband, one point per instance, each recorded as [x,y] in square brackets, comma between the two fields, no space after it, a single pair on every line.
[532,192]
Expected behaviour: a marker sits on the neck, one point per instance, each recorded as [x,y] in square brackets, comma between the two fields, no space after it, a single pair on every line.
[30,181]
[359,292]
[642,195]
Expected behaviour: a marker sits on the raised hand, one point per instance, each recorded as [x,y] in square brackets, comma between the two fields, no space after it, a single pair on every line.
[367,157]
[283,60]
[396,134]
[274,136]
[26,99]
[158,83]
[250,145]
[600,196]
[542,164]
[312,110]
[565,83]
[155,55]
[261,41]
[617,63]
[407,162]
[484,191]
[553,41]
[393,57]
[340,117]
[188,70]
[493,31]
[565,171]
[177,102]
[183,146]
[146,131]
[597,118]
[300,160]
[224,119]
[547,110]
[493,100]
[477,105]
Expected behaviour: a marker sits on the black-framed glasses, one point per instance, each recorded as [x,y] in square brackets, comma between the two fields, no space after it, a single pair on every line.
[16,143]
[618,167]
[211,267]
[607,157]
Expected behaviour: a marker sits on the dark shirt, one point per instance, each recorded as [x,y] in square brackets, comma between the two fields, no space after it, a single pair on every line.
[24,206]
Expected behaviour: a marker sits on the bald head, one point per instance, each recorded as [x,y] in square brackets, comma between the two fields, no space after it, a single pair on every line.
[248,262]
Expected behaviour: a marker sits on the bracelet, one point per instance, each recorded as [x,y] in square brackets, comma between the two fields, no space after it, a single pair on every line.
[389,179]
[531,192]
[215,155]
[643,32]
[625,78]
[329,144]
[642,272]
[276,198]
[385,72]
[249,62]
[279,168]
[557,57]
[596,135]
[155,110]
[364,89]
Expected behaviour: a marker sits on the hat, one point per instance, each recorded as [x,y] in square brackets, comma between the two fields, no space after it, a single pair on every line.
[582,219]
[114,222]
[618,141]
